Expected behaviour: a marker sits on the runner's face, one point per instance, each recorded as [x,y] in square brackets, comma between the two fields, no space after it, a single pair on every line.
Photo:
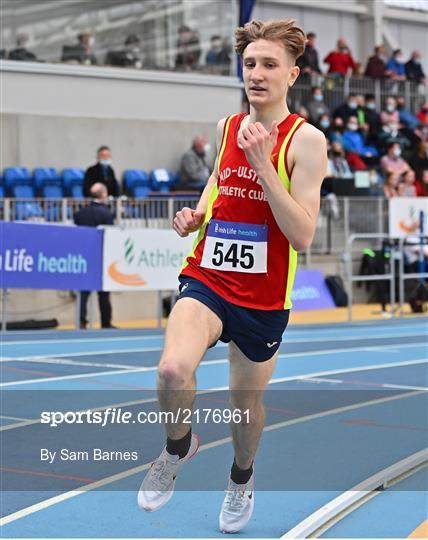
[268,71]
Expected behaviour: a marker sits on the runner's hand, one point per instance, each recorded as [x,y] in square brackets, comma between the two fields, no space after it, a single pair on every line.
[258,144]
[187,221]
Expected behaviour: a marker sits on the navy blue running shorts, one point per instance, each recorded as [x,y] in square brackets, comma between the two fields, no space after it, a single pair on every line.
[256,332]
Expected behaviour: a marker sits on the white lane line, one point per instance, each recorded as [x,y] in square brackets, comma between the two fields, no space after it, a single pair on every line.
[14,418]
[369,384]
[119,476]
[302,378]
[303,339]
[330,510]
[66,362]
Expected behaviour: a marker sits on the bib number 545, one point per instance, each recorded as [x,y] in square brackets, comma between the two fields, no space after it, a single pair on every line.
[238,255]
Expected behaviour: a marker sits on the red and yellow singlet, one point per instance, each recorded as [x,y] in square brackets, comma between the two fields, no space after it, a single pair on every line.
[240,252]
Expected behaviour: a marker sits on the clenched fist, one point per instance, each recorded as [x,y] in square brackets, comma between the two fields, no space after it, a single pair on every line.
[187,221]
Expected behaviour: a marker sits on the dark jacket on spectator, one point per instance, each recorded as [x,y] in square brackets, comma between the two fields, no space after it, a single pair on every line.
[23,55]
[344,111]
[418,164]
[105,175]
[375,67]
[193,169]
[309,59]
[414,71]
[93,215]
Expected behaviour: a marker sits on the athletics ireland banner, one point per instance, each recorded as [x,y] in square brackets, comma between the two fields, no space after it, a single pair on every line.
[40,256]
[143,259]
[404,216]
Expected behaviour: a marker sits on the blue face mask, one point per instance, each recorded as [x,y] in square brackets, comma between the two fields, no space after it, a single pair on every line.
[353,104]
[105,162]
[371,106]
[318,97]
[325,124]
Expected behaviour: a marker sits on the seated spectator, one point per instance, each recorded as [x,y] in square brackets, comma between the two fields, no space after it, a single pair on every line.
[102,172]
[413,67]
[376,64]
[340,60]
[188,49]
[336,131]
[194,171]
[324,124]
[391,184]
[407,187]
[419,160]
[81,52]
[338,167]
[372,118]
[392,162]
[347,109]
[308,62]
[406,117]
[395,68]
[130,56]
[218,58]
[316,106]
[354,140]
[423,114]
[390,114]
[392,133]
[21,53]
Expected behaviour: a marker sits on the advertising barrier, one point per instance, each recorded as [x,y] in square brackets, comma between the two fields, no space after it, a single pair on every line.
[404,215]
[39,256]
[310,291]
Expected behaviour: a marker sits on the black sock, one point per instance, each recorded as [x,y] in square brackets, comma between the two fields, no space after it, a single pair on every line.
[179,446]
[240,476]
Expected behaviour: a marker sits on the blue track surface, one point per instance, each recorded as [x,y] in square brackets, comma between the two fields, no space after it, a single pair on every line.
[345,402]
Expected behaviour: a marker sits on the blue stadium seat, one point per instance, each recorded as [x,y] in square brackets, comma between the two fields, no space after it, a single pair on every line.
[48,183]
[136,183]
[73,182]
[16,176]
[162,180]
[26,209]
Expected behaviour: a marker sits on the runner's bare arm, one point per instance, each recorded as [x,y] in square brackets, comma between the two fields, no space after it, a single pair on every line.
[295,213]
[188,220]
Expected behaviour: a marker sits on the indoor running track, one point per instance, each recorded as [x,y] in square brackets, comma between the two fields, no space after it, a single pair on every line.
[345,402]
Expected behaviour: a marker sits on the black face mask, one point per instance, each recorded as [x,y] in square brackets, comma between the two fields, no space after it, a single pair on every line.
[336,153]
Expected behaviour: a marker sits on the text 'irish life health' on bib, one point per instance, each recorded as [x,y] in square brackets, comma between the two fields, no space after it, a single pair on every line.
[236,247]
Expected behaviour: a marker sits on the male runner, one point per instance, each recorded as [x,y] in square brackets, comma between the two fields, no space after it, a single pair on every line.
[258,209]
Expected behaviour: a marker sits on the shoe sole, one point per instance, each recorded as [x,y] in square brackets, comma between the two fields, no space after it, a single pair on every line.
[187,458]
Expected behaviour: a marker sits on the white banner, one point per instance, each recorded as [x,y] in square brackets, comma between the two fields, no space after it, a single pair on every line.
[143,259]
[404,215]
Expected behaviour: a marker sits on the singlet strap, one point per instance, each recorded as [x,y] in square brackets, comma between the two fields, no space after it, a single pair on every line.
[282,169]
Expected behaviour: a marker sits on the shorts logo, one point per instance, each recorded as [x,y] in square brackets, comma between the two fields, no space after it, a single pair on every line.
[184,287]
[270,345]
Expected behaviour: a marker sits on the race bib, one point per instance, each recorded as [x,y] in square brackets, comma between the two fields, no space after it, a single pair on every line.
[235,247]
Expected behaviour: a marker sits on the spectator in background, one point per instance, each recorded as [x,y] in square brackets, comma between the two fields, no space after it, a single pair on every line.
[188,49]
[94,215]
[130,56]
[308,62]
[413,68]
[395,68]
[391,184]
[194,170]
[218,57]
[392,162]
[340,60]
[316,106]
[324,124]
[407,186]
[81,52]
[372,118]
[102,172]
[338,167]
[347,109]
[376,64]
[354,142]
[419,160]
[423,114]
[21,52]
[336,131]
[406,118]
[390,114]
[303,112]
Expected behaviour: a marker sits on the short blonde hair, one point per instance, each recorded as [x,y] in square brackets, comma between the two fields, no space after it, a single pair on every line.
[291,36]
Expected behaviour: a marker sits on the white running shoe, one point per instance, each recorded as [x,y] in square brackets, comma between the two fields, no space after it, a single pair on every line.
[237,507]
[158,485]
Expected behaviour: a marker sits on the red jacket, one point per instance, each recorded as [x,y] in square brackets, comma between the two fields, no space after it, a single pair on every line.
[340,62]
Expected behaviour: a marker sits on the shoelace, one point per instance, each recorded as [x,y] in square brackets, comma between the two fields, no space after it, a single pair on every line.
[235,499]
[162,474]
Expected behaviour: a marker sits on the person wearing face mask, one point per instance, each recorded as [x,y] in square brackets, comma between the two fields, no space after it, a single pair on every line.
[337,165]
[376,64]
[316,106]
[130,56]
[390,114]
[414,71]
[82,52]
[324,124]
[354,142]
[347,109]
[340,60]
[372,118]
[103,173]
[395,67]
[194,170]
[217,59]
[392,162]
